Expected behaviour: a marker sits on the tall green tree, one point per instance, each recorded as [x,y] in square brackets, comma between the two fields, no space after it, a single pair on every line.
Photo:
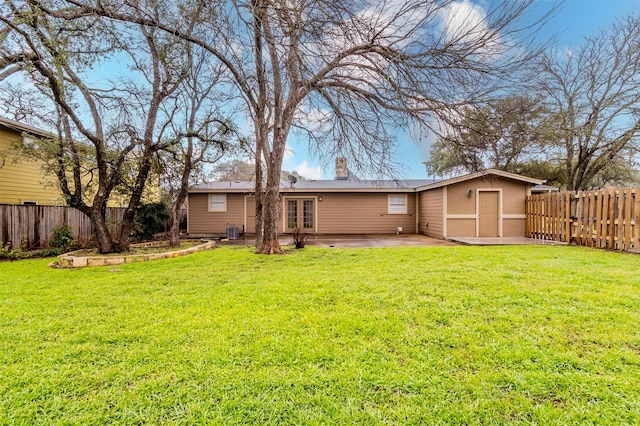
[510,133]
[594,92]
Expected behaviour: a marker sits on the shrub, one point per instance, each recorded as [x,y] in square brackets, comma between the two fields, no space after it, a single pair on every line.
[62,237]
[7,253]
[150,219]
[299,238]
[50,252]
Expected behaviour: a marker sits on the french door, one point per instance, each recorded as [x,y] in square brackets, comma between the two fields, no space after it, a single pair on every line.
[300,213]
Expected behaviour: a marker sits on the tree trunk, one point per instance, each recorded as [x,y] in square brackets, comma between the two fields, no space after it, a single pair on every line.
[128,219]
[270,243]
[101,233]
[259,198]
[271,211]
[174,231]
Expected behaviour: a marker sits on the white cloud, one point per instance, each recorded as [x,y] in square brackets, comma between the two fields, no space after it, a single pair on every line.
[308,171]
[304,169]
[466,23]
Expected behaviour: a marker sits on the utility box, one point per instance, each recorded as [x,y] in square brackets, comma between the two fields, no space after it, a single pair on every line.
[232,232]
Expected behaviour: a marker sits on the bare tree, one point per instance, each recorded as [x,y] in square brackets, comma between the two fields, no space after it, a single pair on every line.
[203,133]
[348,74]
[102,126]
[594,90]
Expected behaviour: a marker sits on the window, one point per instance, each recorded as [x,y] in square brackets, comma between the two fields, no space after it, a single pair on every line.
[292,214]
[307,214]
[217,202]
[29,203]
[397,204]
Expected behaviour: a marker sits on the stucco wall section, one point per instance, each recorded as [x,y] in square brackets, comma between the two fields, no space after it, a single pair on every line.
[513,227]
[431,211]
[513,195]
[461,227]
[460,203]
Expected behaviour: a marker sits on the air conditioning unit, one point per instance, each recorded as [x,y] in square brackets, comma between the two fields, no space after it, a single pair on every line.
[232,232]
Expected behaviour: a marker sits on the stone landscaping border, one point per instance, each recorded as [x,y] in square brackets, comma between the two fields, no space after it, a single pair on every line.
[73,260]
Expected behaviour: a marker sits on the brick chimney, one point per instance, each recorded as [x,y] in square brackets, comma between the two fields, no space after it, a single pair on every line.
[342,173]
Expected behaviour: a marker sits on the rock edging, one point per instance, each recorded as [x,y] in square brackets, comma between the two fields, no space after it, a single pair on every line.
[69,260]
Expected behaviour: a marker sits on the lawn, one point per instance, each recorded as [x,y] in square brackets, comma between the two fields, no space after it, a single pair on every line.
[450,335]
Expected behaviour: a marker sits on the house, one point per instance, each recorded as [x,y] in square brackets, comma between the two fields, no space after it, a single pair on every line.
[24,181]
[27,181]
[485,204]
[489,203]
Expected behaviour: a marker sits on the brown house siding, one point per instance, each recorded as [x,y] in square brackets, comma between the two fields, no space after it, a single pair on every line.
[363,213]
[337,213]
[201,221]
[486,205]
[431,211]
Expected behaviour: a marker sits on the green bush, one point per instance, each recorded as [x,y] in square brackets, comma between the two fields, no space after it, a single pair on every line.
[7,253]
[62,237]
[150,218]
[50,252]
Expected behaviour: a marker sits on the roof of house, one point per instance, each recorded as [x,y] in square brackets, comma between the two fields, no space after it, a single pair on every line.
[21,127]
[318,185]
[544,188]
[495,172]
[357,185]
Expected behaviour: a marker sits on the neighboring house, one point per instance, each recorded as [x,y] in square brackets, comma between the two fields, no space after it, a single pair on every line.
[543,189]
[24,181]
[489,203]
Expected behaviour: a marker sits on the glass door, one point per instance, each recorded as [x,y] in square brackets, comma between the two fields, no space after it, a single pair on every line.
[300,214]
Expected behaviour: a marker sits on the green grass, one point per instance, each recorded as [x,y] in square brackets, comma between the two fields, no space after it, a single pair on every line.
[451,335]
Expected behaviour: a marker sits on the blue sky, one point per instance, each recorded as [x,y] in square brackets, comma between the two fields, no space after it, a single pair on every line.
[574,20]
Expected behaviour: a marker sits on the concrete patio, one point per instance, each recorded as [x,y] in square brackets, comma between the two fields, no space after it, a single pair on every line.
[416,240]
[502,241]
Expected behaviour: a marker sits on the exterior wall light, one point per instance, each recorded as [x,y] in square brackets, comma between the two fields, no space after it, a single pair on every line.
[470,193]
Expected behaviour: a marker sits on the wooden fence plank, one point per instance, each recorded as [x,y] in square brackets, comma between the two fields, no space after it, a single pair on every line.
[611,198]
[581,218]
[32,226]
[567,216]
[636,219]
[627,219]
[598,218]
[607,218]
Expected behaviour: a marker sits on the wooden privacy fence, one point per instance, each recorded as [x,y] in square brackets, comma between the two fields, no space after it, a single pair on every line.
[607,218]
[32,226]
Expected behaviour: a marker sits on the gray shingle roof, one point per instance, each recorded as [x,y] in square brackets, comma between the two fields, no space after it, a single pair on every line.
[319,185]
[357,185]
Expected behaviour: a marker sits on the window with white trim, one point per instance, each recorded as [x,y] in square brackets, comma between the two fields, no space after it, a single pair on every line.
[217,202]
[397,204]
